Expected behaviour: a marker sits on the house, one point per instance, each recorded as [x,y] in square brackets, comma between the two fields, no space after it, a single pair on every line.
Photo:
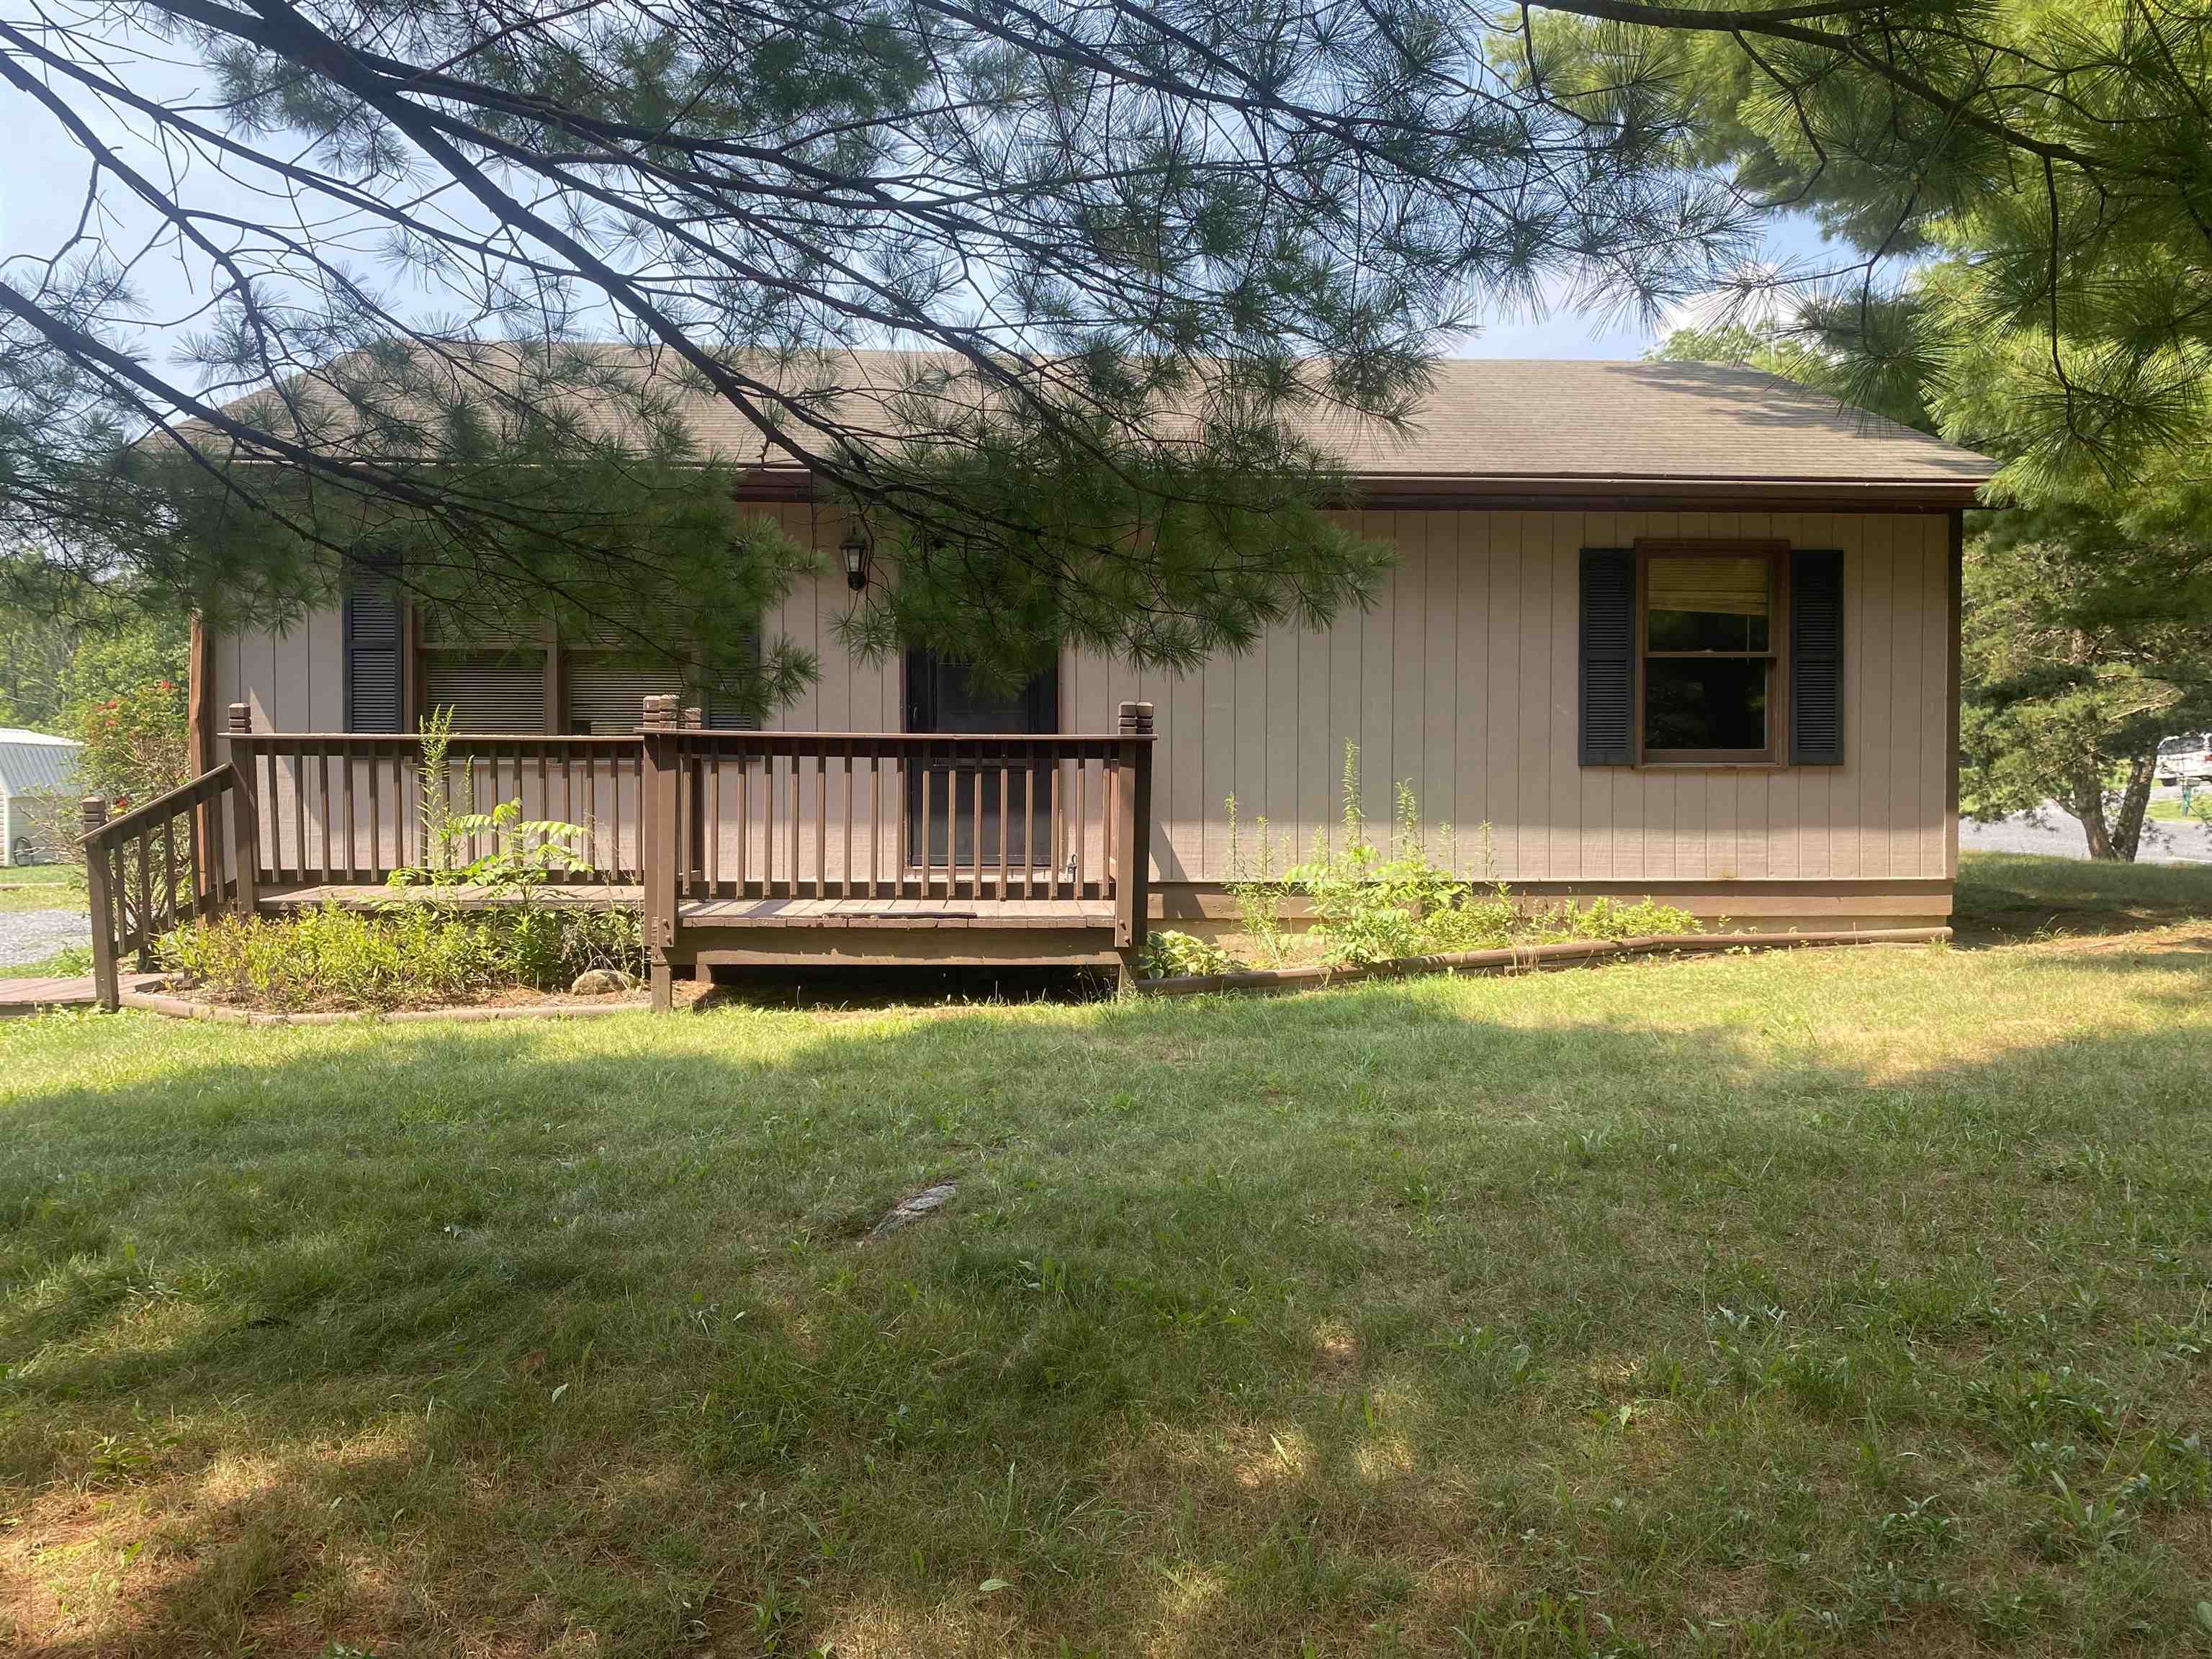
[1657,629]
[35,781]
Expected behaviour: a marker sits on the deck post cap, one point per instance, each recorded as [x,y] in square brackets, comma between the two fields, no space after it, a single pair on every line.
[1136,718]
[694,717]
[94,808]
[660,710]
[242,717]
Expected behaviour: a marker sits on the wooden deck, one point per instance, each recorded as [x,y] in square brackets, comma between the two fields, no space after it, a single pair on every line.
[33,996]
[732,847]
[916,913]
[371,895]
[896,913]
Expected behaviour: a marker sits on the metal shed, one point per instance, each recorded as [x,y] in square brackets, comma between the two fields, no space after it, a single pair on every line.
[35,769]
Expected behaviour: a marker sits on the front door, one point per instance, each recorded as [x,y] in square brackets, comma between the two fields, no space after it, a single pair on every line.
[944,695]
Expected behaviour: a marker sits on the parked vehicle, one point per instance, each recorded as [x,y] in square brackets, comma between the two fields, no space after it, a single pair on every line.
[2185,759]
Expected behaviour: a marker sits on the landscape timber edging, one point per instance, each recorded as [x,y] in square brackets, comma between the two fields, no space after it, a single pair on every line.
[175,1007]
[1533,958]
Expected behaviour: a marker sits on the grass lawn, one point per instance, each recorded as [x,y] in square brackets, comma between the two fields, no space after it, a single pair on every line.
[1774,1304]
[40,887]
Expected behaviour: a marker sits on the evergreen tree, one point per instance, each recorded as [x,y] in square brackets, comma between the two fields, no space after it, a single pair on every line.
[2018,197]
[2086,636]
[1156,256]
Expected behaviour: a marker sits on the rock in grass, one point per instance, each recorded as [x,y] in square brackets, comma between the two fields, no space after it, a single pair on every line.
[602,982]
[913,1207]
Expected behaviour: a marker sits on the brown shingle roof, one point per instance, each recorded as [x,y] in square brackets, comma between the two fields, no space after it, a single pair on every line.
[1490,427]
[1656,422]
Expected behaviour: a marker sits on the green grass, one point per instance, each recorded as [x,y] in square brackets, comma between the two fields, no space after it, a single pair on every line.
[2003,896]
[40,887]
[71,962]
[1802,1303]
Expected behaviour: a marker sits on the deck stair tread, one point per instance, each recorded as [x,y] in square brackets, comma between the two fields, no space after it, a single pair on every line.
[986,912]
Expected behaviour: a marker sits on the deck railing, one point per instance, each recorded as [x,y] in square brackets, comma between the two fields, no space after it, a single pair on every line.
[153,868]
[346,807]
[975,822]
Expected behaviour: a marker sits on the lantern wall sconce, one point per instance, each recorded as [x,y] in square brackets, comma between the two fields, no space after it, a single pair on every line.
[855,550]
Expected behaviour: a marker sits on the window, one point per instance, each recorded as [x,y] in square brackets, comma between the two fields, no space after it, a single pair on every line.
[524,685]
[1710,632]
[488,691]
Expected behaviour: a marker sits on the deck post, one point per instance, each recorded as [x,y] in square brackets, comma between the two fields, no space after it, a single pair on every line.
[106,986]
[245,815]
[657,810]
[1133,836]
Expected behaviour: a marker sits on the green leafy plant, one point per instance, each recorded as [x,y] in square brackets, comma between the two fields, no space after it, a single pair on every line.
[1371,898]
[136,743]
[1377,900]
[525,853]
[1171,955]
[399,956]
[1259,887]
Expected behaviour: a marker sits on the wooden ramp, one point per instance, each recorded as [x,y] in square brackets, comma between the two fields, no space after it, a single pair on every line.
[33,996]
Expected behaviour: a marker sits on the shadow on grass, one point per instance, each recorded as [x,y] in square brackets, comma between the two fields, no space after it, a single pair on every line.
[1251,1324]
[2002,898]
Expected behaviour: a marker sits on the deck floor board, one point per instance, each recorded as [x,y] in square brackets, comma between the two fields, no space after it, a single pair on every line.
[807,911]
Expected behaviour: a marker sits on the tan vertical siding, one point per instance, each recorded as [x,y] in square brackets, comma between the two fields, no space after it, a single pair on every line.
[1461,681]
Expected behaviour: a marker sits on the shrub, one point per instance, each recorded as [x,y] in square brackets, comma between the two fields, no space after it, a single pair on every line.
[1170,955]
[401,956]
[1375,901]
[136,743]
[1259,889]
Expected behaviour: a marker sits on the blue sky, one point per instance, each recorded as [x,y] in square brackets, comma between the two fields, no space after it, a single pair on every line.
[42,194]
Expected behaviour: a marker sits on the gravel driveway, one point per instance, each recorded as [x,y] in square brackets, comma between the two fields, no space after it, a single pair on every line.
[30,935]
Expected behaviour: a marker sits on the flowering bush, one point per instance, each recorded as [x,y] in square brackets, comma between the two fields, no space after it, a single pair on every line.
[136,743]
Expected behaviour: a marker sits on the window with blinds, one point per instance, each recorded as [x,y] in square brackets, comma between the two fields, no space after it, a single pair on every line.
[1680,659]
[503,687]
[725,712]
[608,694]
[1708,657]
[488,691]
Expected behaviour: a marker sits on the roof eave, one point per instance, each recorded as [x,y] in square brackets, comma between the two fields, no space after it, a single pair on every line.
[1379,489]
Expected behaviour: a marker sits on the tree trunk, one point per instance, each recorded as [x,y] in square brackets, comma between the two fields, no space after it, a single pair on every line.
[2134,802]
[2114,840]
[2089,805]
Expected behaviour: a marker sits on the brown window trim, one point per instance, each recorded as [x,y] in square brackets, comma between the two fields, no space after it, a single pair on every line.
[558,662]
[1775,755]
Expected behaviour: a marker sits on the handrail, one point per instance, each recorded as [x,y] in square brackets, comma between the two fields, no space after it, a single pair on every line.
[190,793]
[624,740]
[990,823]
[137,883]
[982,823]
[347,807]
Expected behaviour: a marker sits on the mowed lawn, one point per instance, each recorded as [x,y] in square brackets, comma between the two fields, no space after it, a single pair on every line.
[40,887]
[1813,1302]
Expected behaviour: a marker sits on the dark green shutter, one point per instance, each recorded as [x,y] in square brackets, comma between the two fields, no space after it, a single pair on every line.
[1816,658]
[1609,656]
[372,655]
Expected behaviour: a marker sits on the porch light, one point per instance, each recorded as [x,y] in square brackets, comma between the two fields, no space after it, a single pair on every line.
[855,548]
